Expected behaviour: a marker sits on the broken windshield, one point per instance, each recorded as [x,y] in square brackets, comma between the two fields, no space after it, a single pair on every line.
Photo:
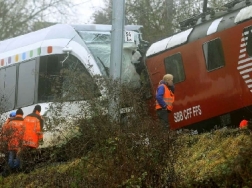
[99,43]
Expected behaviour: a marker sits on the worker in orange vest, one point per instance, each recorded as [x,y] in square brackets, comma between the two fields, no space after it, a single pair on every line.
[32,135]
[164,99]
[33,128]
[4,144]
[12,133]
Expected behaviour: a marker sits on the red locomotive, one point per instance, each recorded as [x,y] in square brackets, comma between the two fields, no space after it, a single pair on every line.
[211,60]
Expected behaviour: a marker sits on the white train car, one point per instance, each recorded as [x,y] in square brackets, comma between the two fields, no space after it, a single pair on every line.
[31,64]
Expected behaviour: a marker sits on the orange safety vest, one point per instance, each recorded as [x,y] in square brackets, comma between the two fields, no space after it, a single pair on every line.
[13,132]
[33,132]
[168,98]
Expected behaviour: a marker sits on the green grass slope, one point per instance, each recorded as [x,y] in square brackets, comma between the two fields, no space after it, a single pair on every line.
[148,158]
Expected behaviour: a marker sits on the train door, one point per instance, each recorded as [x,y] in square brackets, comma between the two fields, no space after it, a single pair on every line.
[217,69]
[174,65]
[154,67]
[156,77]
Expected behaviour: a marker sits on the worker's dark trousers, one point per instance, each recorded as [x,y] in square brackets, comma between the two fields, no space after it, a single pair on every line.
[28,159]
[163,117]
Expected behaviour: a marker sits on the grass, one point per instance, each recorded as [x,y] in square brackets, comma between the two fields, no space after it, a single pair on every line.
[218,159]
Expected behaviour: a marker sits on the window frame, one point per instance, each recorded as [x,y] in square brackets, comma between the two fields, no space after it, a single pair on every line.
[15,86]
[221,53]
[17,105]
[180,67]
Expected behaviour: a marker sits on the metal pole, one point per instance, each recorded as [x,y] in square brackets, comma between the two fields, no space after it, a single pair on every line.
[204,13]
[118,16]
[117,38]
[169,16]
[205,6]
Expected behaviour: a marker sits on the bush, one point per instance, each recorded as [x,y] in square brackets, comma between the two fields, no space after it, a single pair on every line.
[217,159]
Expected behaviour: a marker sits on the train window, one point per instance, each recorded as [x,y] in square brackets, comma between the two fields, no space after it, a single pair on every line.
[26,83]
[49,84]
[2,76]
[214,56]
[2,98]
[69,81]
[8,88]
[77,83]
[174,66]
[248,33]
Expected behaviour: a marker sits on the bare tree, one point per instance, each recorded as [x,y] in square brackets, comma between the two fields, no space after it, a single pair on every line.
[190,8]
[18,16]
[155,15]
[104,16]
[160,18]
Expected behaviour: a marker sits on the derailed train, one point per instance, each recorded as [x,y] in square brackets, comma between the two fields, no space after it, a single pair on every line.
[210,60]
[212,67]
[57,67]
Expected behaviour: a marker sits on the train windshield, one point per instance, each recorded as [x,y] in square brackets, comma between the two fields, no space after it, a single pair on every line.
[99,43]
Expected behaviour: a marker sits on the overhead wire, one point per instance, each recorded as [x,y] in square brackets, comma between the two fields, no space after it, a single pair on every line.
[141,11]
[187,6]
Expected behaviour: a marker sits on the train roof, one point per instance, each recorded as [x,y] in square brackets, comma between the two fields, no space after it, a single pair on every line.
[102,27]
[204,28]
[57,31]
[52,32]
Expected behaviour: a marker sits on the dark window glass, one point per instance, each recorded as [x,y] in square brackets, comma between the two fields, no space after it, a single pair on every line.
[248,37]
[174,66]
[68,81]
[9,88]
[213,54]
[26,83]
[49,78]
[2,77]
[78,84]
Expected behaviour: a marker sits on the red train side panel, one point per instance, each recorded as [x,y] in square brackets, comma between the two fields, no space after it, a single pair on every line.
[205,94]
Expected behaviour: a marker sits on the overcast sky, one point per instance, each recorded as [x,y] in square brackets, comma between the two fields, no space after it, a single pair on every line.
[85,9]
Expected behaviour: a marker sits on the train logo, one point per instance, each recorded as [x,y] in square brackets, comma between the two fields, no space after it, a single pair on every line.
[245,62]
